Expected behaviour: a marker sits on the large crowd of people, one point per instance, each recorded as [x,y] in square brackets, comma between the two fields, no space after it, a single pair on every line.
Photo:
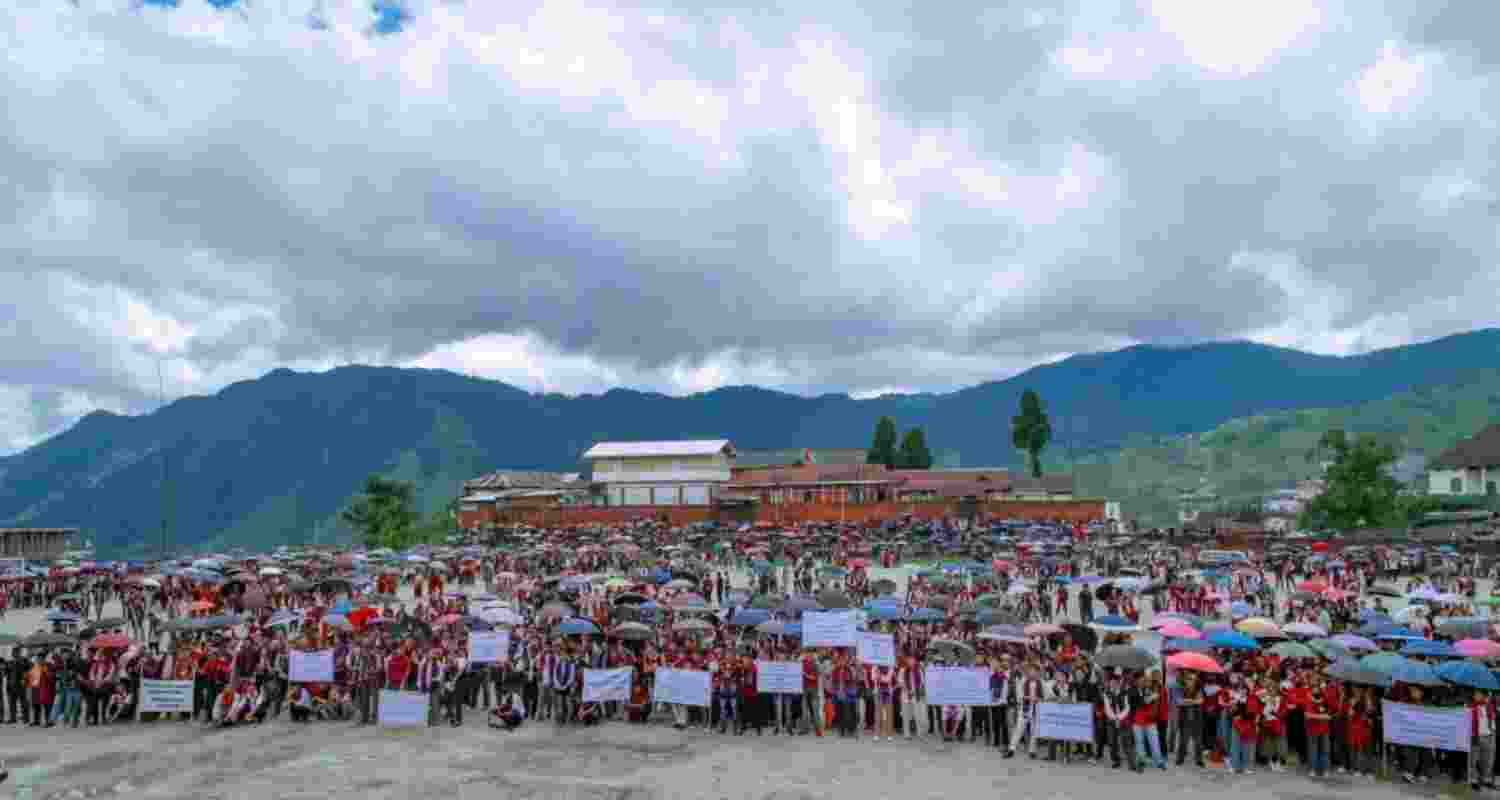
[1272,660]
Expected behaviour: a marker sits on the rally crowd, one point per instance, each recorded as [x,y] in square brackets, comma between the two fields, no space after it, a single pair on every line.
[1261,663]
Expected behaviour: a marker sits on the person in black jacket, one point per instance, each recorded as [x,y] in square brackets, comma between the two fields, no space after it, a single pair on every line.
[14,676]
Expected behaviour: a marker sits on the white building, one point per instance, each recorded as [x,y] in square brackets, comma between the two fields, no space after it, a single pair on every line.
[1471,467]
[1284,502]
[685,473]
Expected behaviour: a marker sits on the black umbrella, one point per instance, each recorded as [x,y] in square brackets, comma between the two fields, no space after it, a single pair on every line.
[1085,637]
[1124,656]
[47,639]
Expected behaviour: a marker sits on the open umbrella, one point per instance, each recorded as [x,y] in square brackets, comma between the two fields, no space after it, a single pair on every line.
[1259,627]
[1177,629]
[1415,672]
[46,639]
[1124,656]
[632,631]
[1477,648]
[1427,648]
[1468,673]
[1304,629]
[1331,650]
[577,626]
[1293,650]
[1355,643]
[111,641]
[1113,623]
[1232,640]
[951,650]
[1188,645]
[1464,627]
[777,627]
[1198,662]
[1352,672]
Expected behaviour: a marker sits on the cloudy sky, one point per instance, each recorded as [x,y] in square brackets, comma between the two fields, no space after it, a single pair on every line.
[839,196]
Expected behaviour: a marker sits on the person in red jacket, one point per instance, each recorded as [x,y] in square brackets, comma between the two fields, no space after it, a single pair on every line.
[1245,721]
[1272,726]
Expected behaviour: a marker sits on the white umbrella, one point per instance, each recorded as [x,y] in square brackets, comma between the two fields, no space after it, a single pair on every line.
[268,571]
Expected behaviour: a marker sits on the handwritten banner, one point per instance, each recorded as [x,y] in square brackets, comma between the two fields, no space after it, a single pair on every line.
[876,648]
[310,666]
[607,685]
[489,648]
[828,629]
[958,686]
[686,687]
[1424,726]
[778,677]
[1067,722]
[402,709]
[166,696]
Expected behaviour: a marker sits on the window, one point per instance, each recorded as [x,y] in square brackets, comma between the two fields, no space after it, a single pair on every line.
[1456,486]
[1489,488]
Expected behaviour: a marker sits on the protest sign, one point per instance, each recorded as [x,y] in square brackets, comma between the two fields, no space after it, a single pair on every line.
[828,629]
[607,685]
[166,696]
[958,686]
[309,666]
[778,677]
[489,648]
[402,709]
[688,687]
[1425,726]
[876,648]
[1067,722]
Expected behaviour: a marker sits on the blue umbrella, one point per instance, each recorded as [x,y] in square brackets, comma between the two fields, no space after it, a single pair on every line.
[1368,615]
[1378,628]
[1189,645]
[1416,672]
[58,615]
[1231,639]
[1241,609]
[926,615]
[747,617]
[778,628]
[1113,621]
[884,613]
[1427,647]
[576,626]
[1467,673]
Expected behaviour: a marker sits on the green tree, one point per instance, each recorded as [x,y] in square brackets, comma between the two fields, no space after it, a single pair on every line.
[1359,490]
[383,513]
[914,453]
[883,448]
[1030,431]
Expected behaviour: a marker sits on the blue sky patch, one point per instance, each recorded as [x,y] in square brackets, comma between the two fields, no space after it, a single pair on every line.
[390,17]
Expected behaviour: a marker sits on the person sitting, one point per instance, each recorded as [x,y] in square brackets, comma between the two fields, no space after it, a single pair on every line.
[121,703]
[509,714]
[302,703]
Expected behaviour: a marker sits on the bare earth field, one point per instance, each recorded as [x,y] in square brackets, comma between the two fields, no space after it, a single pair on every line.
[283,761]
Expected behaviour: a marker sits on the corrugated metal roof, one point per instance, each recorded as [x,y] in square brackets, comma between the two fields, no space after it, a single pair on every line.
[689,447]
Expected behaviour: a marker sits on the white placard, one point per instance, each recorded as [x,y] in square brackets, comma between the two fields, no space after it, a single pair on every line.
[310,666]
[778,677]
[876,648]
[166,696]
[828,629]
[402,709]
[1067,722]
[489,648]
[607,685]
[958,686]
[687,687]
[1424,726]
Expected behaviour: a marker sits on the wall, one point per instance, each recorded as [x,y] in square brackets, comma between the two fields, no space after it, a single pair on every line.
[1070,511]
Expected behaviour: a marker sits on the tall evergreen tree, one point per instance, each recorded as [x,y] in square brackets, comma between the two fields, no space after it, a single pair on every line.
[883,448]
[1030,431]
[383,513]
[914,453]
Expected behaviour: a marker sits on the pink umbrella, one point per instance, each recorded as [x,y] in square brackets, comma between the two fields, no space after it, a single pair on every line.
[1477,648]
[1177,629]
[1042,629]
[1194,661]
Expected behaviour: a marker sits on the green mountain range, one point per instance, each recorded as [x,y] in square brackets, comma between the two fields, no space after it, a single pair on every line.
[272,460]
[1243,460]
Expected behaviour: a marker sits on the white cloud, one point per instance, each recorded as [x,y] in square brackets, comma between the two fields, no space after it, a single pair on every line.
[581,194]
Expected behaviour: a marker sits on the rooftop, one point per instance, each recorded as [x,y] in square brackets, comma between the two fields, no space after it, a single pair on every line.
[1480,450]
[686,447]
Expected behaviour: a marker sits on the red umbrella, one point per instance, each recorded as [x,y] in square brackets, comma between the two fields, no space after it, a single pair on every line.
[449,619]
[1197,662]
[111,641]
[1313,586]
[1319,547]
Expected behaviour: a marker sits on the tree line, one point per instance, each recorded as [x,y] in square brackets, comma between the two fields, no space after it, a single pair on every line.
[1030,432]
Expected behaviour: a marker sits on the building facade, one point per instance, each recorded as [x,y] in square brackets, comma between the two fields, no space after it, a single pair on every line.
[674,473]
[1471,467]
[36,543]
